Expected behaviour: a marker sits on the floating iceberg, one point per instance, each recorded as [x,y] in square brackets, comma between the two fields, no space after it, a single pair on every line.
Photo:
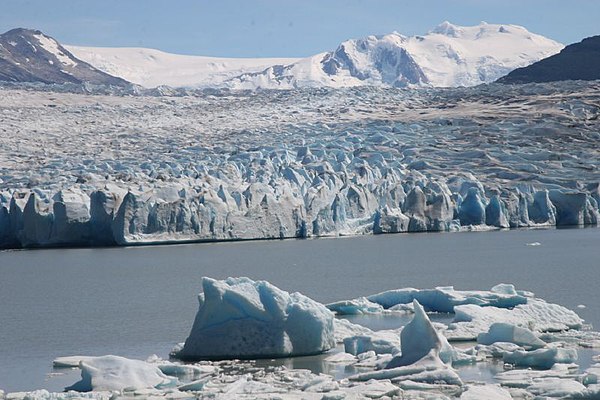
[502,332]
[536,315]
[417,340]
[240,318]
[377,342]
[420,358]
[357,306]
[540,358]
[445,299]
[118,373]
[487,392]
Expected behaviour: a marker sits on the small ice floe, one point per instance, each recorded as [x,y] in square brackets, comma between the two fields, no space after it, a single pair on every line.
[489,392]
[444,299]
[118,373]
[581,306]
[507,333]
[360,305]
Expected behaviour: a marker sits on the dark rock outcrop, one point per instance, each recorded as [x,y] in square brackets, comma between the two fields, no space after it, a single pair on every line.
[578,61]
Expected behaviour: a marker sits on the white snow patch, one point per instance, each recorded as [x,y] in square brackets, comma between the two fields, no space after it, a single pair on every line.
[51,46]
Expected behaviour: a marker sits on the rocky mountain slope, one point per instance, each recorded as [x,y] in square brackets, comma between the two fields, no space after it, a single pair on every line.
[30,56]
[579,61]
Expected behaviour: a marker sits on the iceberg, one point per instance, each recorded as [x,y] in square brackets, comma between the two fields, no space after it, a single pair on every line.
[559,388]
[502,332]
[118,373]
[417,340]
[487,392]
[420,358]
[243,319]
[377,342]
[357,306]
[445,299]
[536,315]
[540,358]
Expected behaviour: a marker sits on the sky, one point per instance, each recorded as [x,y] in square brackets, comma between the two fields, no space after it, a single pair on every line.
[280,28]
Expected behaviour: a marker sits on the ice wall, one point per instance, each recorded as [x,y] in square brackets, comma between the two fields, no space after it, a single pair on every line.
[291,203]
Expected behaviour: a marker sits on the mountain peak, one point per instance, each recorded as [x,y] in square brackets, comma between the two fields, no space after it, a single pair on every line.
[448,29]
[23,31]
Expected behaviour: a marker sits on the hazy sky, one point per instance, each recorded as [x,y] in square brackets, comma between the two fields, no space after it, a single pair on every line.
[256,28]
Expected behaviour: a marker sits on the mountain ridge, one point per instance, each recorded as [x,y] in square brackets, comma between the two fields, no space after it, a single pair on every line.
[28,55]
[448,56]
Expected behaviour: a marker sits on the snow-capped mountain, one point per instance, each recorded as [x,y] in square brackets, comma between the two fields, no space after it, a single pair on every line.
[30,56]
[447,56]
[151,68]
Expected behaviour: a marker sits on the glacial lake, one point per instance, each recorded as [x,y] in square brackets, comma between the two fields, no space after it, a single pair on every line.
[139,301]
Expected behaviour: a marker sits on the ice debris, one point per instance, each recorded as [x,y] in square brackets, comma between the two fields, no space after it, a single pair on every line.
[241,318]
[413,362]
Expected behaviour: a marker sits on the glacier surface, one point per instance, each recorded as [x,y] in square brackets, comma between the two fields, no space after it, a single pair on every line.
[79,166]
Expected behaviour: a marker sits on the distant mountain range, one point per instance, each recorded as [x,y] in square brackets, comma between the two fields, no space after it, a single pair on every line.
[30,56]
[447,56]
[579,61]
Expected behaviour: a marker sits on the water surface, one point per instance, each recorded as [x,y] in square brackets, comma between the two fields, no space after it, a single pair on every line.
[140,301]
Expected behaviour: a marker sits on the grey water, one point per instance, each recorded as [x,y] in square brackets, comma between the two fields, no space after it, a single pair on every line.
[139,301]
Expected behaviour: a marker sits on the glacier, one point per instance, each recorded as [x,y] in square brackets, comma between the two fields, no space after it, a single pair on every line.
[82,166]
